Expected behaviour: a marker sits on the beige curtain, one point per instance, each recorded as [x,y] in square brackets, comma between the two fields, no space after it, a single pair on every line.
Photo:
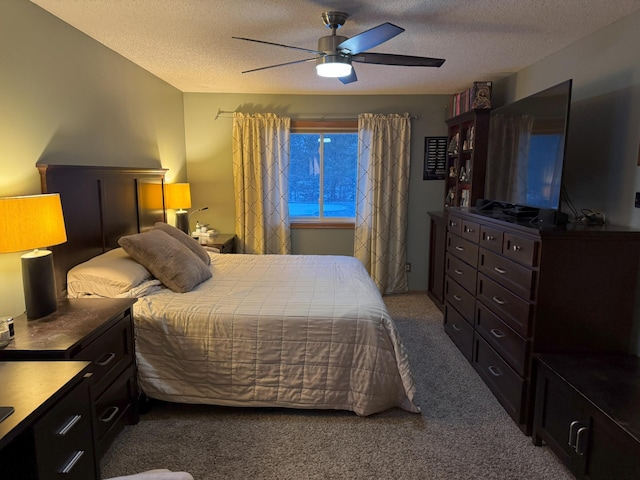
[260,178]
[382,198]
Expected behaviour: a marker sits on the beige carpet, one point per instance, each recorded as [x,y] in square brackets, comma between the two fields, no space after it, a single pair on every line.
[462,433]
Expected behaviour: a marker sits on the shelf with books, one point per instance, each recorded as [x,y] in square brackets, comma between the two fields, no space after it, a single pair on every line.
[466,157]
[476,97]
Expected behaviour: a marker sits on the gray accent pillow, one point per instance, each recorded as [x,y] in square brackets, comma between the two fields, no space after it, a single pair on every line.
[167,259]
[191,243]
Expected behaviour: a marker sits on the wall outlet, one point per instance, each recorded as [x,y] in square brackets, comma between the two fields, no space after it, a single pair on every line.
[407,267]
[637,199]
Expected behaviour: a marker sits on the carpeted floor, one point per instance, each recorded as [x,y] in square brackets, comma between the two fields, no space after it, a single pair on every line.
[462,433]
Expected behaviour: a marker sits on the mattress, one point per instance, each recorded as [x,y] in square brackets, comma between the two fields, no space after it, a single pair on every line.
[294,331]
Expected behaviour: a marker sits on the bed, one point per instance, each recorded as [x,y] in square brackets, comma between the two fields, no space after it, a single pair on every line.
[294,331]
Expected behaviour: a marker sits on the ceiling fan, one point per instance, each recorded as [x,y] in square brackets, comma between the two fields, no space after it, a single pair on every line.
[335,53]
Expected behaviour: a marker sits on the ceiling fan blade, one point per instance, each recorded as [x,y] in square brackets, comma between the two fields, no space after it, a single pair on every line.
[280,45]
[350,78]
[369,38]
[281,65]
[400,60]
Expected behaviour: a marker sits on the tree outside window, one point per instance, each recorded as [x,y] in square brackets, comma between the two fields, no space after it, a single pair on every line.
[322,177]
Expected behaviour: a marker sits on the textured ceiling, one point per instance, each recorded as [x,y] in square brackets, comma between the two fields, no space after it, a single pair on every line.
[188,43]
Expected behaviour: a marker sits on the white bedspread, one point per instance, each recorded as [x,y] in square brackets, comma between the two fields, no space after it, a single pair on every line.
[275,330]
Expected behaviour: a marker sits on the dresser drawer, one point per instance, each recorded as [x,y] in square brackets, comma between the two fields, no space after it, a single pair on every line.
[513,348]
[463,249]
[113,409]
[517,278]
[110,354]
[63,438]
[459,299]
[464,274]
[454,224]
[470,231]
[506,385]
[459,331]
[491,238]
[512,310]
[521,249]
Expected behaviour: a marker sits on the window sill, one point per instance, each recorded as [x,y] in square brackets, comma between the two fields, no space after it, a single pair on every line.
[322,224]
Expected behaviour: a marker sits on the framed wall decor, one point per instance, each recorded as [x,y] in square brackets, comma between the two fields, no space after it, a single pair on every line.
[435,158]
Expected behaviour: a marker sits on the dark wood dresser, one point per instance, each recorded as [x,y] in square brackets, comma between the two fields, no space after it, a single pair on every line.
[513,289]
[588,412]
[97,330]
[50,433]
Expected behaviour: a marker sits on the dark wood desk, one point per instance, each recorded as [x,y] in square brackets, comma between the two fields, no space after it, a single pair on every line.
[98,330]
[46,395]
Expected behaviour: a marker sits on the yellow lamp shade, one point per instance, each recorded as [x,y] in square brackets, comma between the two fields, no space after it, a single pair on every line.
[30,222]
[177,196]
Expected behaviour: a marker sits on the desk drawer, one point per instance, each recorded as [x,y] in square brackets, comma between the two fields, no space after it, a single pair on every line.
[459,331]
[506,385]
[515,277]
[513,348]
[464,274]
[63,438]
[114,408]
[460,299]
[512,310]
[463,249]
[110,354]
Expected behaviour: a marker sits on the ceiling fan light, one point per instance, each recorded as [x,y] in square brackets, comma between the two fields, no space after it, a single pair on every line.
[333,66]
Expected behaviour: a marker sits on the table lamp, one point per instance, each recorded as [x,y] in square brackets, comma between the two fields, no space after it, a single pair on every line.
[177,196]
[34,222]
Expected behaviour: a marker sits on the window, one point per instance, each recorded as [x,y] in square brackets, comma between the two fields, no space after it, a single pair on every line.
[322,176]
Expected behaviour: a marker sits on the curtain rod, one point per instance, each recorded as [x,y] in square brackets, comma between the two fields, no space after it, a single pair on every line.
[228,114]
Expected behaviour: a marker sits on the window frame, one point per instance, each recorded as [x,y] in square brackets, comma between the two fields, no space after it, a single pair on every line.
[323,126]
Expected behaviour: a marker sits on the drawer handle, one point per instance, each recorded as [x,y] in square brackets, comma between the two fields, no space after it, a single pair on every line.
[468,230]
[458,272]
[106,359]
[458,298]
[581,441]
[516,248]
[490,238]
[64,429]
[456,327]
[77,455]
[498,300]
[573,433]
[495,371]
[497,333]
[460,249]
[109,414]
[453,224]
[501,271]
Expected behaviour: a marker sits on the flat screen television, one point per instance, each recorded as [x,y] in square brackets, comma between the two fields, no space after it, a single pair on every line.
[527,144]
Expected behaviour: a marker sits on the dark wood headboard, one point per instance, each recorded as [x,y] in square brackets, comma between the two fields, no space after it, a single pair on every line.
[101,204]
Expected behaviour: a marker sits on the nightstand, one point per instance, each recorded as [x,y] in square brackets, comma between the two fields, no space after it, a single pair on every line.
[225,242]
[50,433]
[98,330]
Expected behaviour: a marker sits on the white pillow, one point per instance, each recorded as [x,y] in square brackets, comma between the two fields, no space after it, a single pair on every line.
[108,275]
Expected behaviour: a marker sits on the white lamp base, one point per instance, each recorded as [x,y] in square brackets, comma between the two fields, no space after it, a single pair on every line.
[39,282]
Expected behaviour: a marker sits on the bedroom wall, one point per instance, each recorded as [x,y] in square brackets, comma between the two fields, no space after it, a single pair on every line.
[603,150]
[67,99]
[209,163]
